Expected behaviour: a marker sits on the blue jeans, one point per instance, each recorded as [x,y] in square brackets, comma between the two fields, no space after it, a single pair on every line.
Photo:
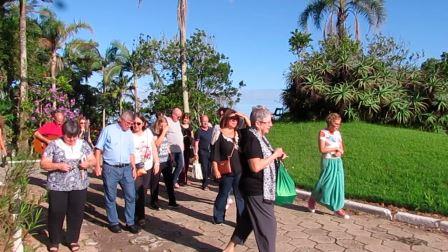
[179,160]
[112,176]
[227,183]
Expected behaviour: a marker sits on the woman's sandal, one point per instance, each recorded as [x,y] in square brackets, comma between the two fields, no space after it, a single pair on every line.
[53,248]
[74,247]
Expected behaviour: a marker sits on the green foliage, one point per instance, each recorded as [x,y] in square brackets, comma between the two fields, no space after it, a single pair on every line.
[18,209]
[382,164]
[209,84]
[381,85]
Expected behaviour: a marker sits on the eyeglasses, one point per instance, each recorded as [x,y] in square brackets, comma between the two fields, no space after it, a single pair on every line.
[138,123]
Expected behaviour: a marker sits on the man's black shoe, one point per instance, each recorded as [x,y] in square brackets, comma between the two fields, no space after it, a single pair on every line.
[115,228]
[133,229]
[173,205]
[154,207]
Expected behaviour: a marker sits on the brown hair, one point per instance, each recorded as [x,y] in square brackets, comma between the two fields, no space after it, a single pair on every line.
[226,117]
[156,126]
[2,123]
[185,115]
[141,117]
[332,117]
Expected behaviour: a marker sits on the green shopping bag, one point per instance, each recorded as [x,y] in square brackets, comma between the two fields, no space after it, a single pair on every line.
[285,192]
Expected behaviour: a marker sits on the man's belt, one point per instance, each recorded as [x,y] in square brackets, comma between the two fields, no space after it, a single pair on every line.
[117,165]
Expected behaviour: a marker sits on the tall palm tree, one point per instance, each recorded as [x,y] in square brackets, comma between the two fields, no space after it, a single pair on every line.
[372,10]
[55,34]
[182,24]
[23,96]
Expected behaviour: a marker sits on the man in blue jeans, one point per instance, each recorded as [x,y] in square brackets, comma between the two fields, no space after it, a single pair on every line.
[116,146]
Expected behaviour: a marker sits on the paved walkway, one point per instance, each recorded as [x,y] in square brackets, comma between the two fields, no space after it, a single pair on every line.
[189,228]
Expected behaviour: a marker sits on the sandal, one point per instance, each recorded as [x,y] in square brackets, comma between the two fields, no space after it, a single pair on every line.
[53,248]
[74,247]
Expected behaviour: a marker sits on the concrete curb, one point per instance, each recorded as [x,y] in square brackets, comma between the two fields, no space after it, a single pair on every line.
[417,219]
[387,214]
[444,226]
[380,211]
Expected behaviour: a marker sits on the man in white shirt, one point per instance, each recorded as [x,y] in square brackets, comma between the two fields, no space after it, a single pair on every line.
[176,143]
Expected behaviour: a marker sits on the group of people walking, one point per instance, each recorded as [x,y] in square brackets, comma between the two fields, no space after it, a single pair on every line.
[131,153]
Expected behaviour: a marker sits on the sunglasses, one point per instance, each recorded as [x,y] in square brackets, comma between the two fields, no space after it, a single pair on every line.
[236,118]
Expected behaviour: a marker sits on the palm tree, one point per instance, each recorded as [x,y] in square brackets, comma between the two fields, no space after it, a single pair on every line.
[182,24]
[23,96]
[372,10]
[55,34]
[181,21]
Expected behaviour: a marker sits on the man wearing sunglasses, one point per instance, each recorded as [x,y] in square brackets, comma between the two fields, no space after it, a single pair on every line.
[116,148]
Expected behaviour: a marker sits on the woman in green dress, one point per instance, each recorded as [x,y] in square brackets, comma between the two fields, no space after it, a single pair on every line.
[329,189]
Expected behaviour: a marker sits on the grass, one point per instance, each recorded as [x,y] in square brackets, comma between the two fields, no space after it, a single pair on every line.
[402,167]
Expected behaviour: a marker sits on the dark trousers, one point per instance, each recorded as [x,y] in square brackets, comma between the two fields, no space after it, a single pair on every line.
[63,204]
[183,178]
[257,216]
[166,169]
[141,187]
[204,160]
[226,184]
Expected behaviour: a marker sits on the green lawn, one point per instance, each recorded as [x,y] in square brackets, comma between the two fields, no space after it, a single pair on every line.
[395,166]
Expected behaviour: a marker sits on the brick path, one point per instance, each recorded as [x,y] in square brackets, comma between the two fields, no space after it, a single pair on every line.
[189,228]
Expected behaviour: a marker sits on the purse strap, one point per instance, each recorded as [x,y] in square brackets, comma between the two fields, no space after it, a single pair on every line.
[233,147]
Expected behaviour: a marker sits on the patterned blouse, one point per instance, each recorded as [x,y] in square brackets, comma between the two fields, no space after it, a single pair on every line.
[59,152]
[332,140]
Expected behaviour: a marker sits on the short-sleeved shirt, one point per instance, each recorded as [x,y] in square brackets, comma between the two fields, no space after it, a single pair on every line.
[143,144]
[331,139]
[251,183]
[164,150]
[204,137]
[117,145]
[50,129]
[59,152]
[223,148]
[175,136]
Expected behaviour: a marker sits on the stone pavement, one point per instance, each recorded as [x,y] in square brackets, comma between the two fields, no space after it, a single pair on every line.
[189,228]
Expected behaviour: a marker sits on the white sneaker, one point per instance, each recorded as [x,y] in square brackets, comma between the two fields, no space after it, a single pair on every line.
[229,202]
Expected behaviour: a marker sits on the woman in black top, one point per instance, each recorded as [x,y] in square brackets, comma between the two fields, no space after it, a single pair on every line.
[187,132]
[228,145]
[257,184]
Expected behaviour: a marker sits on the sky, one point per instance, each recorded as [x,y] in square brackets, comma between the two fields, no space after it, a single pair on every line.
[253,34]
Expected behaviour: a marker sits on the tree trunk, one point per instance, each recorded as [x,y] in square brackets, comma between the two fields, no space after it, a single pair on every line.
[181,17]
[104,92]
[53,63]
[136,104]
[342,16]
[22,143]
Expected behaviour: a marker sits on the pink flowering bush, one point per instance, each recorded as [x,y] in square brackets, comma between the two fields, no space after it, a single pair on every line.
[43,105]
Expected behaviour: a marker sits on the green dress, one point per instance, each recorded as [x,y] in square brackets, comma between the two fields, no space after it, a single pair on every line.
[329,189]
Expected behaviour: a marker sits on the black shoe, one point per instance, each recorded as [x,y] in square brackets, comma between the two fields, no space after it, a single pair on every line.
[217,222]
[115,228]
[133,229]
[141,222]
[154,207]
[173,205]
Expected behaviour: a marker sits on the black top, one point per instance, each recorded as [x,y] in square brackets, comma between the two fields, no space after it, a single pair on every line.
[204,137]
[251,183]
[186,132]
[223,148]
